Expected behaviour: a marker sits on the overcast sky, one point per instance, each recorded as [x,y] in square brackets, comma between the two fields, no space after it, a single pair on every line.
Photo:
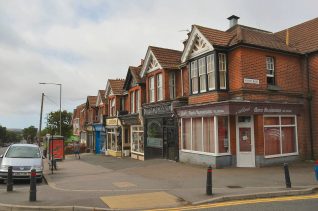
[81,44]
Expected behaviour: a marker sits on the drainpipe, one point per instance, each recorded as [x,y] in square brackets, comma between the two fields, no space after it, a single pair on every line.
[309,99]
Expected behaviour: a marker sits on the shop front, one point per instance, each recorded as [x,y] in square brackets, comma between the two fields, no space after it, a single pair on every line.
[242,134]
[114,137]
[134,135]
[99,138]
[90,140]
[161,131]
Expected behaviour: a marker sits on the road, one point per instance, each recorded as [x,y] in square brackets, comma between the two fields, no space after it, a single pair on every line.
[291,203]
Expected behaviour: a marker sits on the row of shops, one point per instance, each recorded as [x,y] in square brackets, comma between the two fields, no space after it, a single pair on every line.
[243,134]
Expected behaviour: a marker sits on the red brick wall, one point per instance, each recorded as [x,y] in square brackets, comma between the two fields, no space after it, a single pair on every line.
[185,76]
[313,67]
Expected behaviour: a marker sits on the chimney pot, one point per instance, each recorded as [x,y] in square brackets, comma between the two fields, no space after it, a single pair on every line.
[233,20]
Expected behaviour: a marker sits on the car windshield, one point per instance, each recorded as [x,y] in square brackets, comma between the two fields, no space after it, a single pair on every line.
[23,152]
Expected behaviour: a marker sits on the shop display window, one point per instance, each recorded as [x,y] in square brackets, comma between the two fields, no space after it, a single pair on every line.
[137,142]
[280,134]
[201,134]
[112,140]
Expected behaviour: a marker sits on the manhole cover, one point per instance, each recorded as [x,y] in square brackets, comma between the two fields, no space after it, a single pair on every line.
[234,186]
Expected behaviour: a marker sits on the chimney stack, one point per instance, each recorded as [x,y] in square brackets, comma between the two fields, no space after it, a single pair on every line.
[233,20]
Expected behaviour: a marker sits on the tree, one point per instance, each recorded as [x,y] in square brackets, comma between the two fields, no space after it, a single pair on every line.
[13,136]
[53,123]
[29,133]
[3,134]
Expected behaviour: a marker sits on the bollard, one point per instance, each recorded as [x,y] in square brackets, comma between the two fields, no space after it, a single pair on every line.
[209,181]
[33,185]
[316,170]
[9,180]
[287,177]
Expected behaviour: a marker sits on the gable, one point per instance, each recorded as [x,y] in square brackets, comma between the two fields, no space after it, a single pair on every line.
[196,45]
[151,64]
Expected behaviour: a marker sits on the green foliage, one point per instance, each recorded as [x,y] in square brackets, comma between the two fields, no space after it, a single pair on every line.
[13,136]
[3,134]
[29,133]
[53,123]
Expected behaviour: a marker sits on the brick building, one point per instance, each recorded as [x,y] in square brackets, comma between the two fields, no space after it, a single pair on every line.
[90,119]
[98,127]
[247,98]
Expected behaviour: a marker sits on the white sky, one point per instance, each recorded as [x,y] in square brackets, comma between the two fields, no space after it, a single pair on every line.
[81,44]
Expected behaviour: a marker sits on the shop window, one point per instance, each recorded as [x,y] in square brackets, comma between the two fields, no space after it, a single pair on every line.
[270,70]
[159,87]
[186,134]
[280,135]
[208,135]
[197,134]
[222,70]
[154,134]
[202,74]
[223,131]
[211,71]
[137,141]
[111,139]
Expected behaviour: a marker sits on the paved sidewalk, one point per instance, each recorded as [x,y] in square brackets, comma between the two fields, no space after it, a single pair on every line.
[99,181]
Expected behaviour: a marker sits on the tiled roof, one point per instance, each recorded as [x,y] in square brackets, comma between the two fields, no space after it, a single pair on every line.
[167,58]
[303,36]
[117,86]
[91,100]
[240,34]
[135,72]
[102,94]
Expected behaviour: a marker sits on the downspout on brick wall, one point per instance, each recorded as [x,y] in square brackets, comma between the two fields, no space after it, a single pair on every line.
[309,99]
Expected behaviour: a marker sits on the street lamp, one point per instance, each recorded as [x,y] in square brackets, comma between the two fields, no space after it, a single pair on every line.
[60,102]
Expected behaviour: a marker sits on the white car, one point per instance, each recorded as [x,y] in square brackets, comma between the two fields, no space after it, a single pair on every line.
[23,158]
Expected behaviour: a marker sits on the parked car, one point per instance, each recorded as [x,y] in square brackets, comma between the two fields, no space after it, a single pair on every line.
[23,158]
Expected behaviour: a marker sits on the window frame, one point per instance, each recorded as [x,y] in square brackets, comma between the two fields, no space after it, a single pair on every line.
[203,74]
[152,89]
[269,65]
[139,130]
[195,76]
[216,139]
[159,78]
[222,55]
[280,126]
[132,102]
[212,72]
[172,85]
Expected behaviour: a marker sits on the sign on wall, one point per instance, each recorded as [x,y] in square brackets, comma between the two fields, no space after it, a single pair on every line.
[113,122]
[251,81]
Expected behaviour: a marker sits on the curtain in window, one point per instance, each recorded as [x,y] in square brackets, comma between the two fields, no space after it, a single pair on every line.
[197,134]
[186,133]
[208,134]
[223,134]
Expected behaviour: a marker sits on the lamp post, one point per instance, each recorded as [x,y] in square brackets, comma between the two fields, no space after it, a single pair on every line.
[60,102]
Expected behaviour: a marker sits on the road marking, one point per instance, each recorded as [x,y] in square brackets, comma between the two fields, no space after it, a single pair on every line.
[141,200]
[242,202]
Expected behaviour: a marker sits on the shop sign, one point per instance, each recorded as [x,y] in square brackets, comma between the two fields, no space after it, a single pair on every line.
[154,142]
[251,81]
[204,112]
[112,122]
[266,109]
[160,109]
[89,128]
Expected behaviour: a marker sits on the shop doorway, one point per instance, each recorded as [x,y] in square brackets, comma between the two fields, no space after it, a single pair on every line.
[245,149]
[170,144]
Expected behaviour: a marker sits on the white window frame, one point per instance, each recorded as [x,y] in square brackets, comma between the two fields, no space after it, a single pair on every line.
[216,143]
[202,74]
[210,71]
[280,126]
[172,85]
[194,76]
[159,87]
[132,102]
[137,95]
[113,105]
[152,89]
[222,68]
[270,66]
[132,130]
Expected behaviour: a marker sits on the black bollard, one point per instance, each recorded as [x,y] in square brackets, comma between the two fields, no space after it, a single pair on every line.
[209,181]
[287,177]
[9,180]
[33,185]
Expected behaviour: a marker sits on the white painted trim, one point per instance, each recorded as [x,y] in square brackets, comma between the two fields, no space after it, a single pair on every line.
[282,155]
[188,48]
[145,65]
[205,153]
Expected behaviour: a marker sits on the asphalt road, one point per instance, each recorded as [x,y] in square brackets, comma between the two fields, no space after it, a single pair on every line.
[293,203]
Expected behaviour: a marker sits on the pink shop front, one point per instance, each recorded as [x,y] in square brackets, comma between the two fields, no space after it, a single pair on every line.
[242,134]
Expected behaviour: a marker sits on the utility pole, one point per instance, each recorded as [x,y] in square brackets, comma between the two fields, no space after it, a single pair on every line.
[40,126]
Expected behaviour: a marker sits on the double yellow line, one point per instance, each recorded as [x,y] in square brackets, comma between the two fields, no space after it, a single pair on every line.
[241,202]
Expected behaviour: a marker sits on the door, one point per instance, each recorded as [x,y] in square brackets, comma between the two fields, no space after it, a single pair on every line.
[245,141]
[171,149]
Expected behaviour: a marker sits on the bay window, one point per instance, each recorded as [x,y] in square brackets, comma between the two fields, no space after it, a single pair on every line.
[202,74]
[112,107]
[152,89]
[222,70]
[210,72]
[205,135]
[194,77]
[280,134]
[138,103]
[159,87]
[132,102]
[172,85]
